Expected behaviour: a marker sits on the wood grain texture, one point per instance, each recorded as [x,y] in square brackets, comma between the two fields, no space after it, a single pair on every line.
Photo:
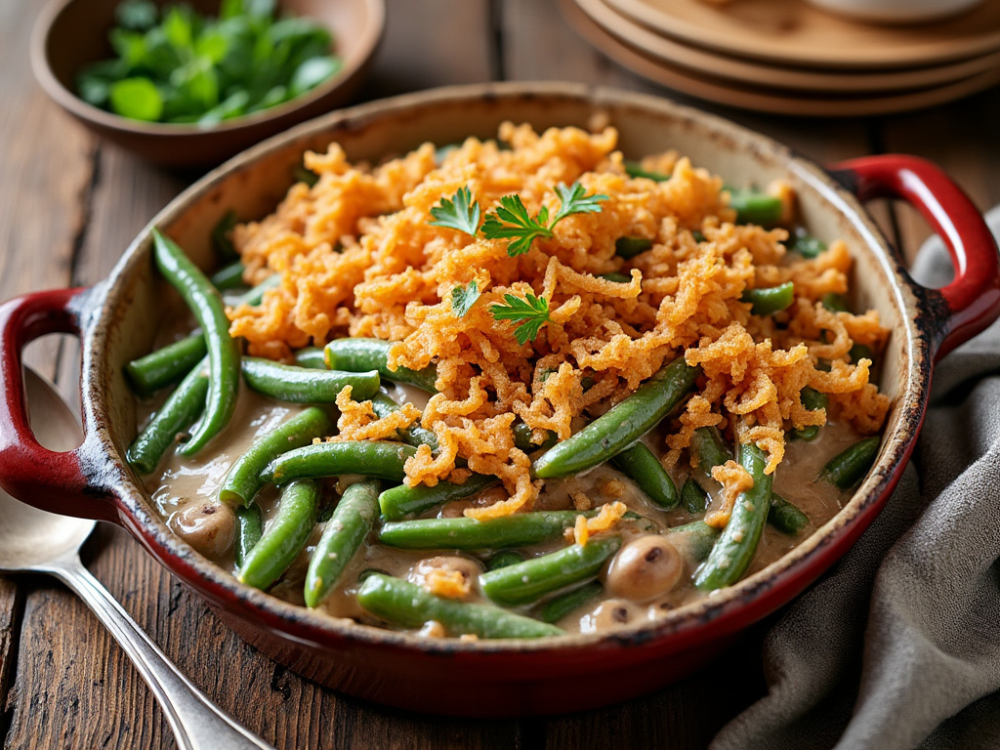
[431,43]
[11,610]
[45,172]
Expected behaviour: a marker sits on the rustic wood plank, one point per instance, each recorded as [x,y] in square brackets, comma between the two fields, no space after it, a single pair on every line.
[431,43]
[11,607]
[683,716]
[46,164]
[356,730]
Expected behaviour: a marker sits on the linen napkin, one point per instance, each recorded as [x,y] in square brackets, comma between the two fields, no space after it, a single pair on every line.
[899,646]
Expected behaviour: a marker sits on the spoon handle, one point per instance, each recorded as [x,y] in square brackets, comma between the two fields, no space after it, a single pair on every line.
[196,723]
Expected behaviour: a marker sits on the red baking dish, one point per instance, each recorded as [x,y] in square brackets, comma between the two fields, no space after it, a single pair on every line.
[117,320]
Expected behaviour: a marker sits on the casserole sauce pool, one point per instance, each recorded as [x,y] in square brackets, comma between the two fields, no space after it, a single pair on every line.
[691,389]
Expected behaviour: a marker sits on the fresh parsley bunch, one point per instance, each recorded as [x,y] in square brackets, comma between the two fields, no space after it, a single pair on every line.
[174,65]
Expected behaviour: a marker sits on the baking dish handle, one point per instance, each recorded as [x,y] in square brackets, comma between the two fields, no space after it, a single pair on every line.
[49,480]
[971,302]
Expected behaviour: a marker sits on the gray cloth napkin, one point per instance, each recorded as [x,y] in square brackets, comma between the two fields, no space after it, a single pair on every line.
[899,646]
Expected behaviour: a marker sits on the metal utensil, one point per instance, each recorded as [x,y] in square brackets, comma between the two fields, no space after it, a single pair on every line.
[32,541]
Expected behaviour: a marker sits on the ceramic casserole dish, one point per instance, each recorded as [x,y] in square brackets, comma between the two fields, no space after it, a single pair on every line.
[118,319]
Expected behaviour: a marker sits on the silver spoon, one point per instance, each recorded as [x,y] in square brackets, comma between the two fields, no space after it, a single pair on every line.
[32,541]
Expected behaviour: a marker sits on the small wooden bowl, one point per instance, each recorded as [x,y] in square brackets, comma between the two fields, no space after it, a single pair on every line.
[72,33]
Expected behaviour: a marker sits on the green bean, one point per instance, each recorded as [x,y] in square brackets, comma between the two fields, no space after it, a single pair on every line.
[835,302]
[221,241]
[622,425]
[223,352]
[708,447]
[633,169]
[149,374]
[367,573]
[707,444]
[755,207]
[770,300]
[503,559]
[524,438]
[244,481]
[414,435]
[806,245]
[229,276]
[302,385]
[517,530]
[311,357]
[284,538]
[343,535]
[408,605]
[848,468]
[731,555]
[369,458]
[178,412]
[812,400]
[249,529]
[558,607]
[359,355]
[629,247]
[529,581]
[785,517]
[859,352]
[695,539]
[638,463]
[618,278]
[693,497]
[399,502]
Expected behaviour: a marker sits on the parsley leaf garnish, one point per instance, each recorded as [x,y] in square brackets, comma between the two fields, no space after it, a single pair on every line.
[524,229]
[464,297]
[531,313]
[574,201]
[511,220]
[458,212]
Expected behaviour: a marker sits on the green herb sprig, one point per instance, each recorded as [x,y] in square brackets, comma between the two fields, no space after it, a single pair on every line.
[464,297]
[510,220]
[459,212]
[530,313]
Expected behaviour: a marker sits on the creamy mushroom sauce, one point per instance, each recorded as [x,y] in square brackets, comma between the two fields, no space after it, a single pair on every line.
[186,495]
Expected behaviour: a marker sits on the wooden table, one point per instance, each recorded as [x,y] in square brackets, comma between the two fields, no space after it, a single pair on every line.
[69,204]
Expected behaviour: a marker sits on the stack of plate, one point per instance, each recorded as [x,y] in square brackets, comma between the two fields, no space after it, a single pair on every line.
[787,57]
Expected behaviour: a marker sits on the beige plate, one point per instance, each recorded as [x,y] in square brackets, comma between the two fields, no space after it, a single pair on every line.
[762,99]
[676,53]
[794,32]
